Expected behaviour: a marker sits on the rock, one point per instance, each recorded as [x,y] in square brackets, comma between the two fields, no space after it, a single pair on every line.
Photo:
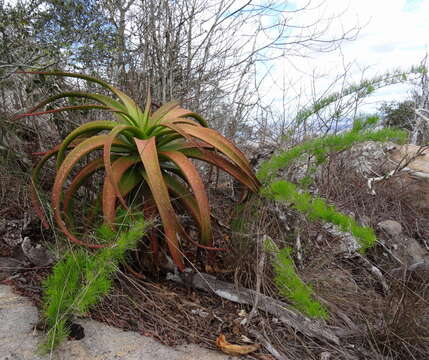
[7,267]
[11,230]
[408,250]
[11,233]
[418,270]
[347,244]
[390,227]
[37,255]
[3,276]
[405,249]
[367,157]
[16,317]
[420,163]
[418,171]
[19,340]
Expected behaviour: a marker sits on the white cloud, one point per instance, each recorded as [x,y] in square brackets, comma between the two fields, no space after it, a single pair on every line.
[395,35]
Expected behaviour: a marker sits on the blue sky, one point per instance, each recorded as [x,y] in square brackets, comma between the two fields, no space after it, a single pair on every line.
[394,34]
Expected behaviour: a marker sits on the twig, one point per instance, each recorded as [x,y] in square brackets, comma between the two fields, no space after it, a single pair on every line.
[298,251]
[401,166]
[267,345]
[259,273]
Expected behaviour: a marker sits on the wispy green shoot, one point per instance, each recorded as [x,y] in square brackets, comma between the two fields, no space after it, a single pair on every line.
[290,284]
[82,278]
[321,147]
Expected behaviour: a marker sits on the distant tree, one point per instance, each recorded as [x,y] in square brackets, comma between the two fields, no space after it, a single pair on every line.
[399,114]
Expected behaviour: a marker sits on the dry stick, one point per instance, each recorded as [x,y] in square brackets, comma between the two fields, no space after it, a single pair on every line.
[259,273]
[401,166]
[375,271]
[270,348]
[279,309]
[298,250]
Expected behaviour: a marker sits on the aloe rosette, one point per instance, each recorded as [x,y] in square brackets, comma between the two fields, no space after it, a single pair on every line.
[141,153]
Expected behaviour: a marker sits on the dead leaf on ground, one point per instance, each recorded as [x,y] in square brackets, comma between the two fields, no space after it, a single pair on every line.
[232,349]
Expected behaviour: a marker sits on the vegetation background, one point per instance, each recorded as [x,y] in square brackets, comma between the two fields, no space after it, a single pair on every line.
[213,57]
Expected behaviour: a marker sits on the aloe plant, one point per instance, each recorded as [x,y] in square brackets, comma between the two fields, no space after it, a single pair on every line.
[144,153]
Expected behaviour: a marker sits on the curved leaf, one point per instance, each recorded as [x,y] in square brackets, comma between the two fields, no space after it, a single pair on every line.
[119,167]
[108,102]
[219,142]
[78,180]
[178,114]
[64,108]
[129,103]
[81,130]
[163,110]
[106,155]
[34,179]
[149,157]
[224,164]
[193,178]
[71,159]
[146,114]
[182,194]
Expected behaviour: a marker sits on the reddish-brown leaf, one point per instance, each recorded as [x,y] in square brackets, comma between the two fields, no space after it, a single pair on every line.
[107,162]
[149,156]
[69,162]
[219,161]
[219,142]
[194,180]
[119,167]
[77,181]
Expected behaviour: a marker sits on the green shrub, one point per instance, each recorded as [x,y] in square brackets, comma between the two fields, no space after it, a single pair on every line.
[316,208]
[291,286]
[320,148]
[82,278]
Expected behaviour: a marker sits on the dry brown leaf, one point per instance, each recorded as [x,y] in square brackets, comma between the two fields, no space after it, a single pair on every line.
[232,349]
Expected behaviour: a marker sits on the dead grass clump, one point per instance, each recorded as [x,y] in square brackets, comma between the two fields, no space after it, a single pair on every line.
[250,222]
[403,332]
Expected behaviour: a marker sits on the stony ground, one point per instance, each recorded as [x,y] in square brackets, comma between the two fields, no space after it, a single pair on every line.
[19,339]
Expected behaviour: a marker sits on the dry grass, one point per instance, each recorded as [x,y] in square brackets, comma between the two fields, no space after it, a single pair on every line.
[391,327]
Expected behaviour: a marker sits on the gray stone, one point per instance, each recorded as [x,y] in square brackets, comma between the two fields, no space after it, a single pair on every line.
[10,231]
[19,340]
[419,270]
[390,227]
[408,250]
[347,244]
[38,255]
[367,157]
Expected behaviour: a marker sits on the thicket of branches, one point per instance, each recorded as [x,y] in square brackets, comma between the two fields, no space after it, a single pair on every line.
[210,55]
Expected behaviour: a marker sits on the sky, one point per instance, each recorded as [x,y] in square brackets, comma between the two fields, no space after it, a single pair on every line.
[394,34]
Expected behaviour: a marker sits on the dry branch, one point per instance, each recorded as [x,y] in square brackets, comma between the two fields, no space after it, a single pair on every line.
[290,317]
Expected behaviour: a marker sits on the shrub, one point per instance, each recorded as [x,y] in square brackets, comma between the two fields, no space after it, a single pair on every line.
[146,155]
[315,208]
[81,279]
[290,285]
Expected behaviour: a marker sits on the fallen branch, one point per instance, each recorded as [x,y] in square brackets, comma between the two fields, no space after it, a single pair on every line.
[282,311]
